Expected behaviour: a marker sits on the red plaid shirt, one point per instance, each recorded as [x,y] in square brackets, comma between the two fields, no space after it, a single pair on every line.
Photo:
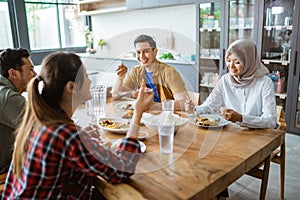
[61,160]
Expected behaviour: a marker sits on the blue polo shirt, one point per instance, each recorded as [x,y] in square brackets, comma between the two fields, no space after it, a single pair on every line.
[150,84]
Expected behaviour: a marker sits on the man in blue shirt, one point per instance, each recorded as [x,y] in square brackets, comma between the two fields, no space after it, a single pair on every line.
[165,80]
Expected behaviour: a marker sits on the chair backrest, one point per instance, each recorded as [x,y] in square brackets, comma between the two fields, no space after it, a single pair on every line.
[195,96]
[280,118]
[2,182]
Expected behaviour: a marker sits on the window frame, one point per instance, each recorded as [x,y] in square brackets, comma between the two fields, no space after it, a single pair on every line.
[18,20]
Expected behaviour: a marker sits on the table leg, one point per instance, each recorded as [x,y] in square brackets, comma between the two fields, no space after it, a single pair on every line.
[265,178]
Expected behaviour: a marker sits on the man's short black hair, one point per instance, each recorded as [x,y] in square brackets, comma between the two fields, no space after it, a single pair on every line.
[12,58]
[145,38]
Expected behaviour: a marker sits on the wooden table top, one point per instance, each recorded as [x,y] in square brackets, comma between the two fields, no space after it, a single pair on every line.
[204,162]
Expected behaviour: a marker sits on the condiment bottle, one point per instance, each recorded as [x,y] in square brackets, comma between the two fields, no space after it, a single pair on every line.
[279,85]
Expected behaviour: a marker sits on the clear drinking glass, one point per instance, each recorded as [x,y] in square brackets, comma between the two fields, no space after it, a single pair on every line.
[166,137]
[96,107]
[168,105]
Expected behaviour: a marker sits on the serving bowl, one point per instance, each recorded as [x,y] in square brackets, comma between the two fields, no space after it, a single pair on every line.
[153,121]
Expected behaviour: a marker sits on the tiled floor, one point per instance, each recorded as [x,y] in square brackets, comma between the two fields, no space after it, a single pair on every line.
[248,188]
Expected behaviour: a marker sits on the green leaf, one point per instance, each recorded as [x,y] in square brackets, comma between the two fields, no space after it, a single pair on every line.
[102,42]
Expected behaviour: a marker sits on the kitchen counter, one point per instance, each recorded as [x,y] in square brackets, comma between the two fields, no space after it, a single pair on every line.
[95,56]
[187,69]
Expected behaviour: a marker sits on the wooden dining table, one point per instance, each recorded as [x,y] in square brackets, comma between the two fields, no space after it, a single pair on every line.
[204,162]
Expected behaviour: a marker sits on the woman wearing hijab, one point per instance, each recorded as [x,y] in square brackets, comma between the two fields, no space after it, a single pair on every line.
[245,92]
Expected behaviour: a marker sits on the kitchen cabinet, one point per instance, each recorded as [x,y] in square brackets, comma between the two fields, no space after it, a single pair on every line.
[292,107]
[93,7]
[279,52]
[277,29]
[219,23]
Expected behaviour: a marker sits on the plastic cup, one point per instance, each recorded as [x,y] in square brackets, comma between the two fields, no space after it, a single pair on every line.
[96,107]
[168,105]
[166,138]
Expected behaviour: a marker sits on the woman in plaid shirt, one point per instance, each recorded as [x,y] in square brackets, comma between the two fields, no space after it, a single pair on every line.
[53,158]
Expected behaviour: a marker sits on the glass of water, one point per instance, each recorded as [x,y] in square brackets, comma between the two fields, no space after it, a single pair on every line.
[97,105]
[166,137]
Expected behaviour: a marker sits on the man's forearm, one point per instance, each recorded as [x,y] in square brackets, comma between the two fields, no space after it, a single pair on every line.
[118,85]
[180,100]
[179,104]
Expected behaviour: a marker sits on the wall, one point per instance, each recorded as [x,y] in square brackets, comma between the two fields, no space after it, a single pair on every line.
[120,29]
[5,29]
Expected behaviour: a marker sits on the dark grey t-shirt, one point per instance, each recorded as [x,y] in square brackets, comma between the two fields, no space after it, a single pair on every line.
[11,112]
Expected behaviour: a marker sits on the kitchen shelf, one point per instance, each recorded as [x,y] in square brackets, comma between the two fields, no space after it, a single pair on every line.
[210,29]
[281,95]
[93,7]
[283,62]
[103,11]
[241,28]
[209,58]
[278,27]
[88,1]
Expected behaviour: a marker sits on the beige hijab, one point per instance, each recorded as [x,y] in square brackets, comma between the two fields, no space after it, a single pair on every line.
[245,51]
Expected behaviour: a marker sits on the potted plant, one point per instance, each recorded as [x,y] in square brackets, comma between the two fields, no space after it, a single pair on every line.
[89,39]
[102,43]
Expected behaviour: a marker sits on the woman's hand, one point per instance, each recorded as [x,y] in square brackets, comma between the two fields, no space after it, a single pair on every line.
[143,103]
[144,100]
[189,106]
[95,133]
[232,115]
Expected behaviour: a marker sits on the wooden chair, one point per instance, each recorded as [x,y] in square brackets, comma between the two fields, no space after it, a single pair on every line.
[195,96]
[278,156]
[280,118]
[261,171]
[2,182]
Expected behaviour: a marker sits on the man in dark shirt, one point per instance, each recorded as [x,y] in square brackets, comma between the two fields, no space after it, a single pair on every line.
[16,70]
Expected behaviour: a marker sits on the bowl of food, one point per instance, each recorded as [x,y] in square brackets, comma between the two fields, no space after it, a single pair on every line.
[153,121]
[210,121]
[115,125]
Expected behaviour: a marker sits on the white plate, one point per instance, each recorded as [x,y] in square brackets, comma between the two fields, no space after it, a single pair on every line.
[213,117]
[113,144]
[122,105]
[115,130]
